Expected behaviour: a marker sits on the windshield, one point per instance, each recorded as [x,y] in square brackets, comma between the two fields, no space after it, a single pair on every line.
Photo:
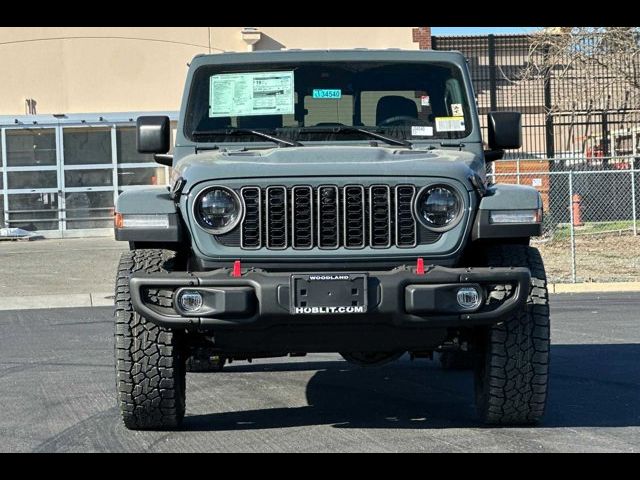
[311,101]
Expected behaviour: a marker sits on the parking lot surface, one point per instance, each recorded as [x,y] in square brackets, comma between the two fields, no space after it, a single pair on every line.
[58,389]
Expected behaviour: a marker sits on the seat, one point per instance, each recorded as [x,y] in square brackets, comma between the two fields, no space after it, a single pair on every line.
[395,106]
[260,121]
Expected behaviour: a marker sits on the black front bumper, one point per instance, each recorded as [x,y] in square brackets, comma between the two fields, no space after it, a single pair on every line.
[399,299]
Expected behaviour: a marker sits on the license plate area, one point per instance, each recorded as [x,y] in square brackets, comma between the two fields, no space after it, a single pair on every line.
[328,293]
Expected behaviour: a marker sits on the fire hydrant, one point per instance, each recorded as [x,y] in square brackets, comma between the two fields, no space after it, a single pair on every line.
[576,205]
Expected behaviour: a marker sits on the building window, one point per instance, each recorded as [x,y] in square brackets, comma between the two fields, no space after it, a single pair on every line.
[33,211]
[126,147]
[31,147]
[32,179]
[89,210]
[88,178]
[137,176]
[87,145]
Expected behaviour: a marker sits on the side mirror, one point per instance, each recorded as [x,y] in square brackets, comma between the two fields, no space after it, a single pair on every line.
[505,130]
[153,134]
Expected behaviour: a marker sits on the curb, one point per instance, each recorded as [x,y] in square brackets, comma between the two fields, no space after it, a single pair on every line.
[588,287]
[98,299]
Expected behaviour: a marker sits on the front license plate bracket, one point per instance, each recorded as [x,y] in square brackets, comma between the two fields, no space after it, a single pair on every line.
[328,293]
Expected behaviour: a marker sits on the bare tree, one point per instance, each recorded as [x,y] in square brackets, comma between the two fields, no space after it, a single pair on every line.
[589,70]
[599,66]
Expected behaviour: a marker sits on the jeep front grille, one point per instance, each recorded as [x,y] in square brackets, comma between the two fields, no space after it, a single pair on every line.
[277,225]
[251,228]
[302,217]
[329,217]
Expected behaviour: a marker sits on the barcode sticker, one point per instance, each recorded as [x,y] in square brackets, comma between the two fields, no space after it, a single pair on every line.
[450,124]
[420,131]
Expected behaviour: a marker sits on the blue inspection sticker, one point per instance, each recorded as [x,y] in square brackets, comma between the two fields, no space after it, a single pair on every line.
[327,93]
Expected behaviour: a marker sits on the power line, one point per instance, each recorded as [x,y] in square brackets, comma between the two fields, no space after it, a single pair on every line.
[47,39]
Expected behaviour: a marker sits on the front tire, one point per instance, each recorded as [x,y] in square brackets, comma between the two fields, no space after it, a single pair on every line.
[512,370]
[150,363]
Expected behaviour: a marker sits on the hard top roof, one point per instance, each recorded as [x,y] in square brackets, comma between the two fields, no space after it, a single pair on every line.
[298,55]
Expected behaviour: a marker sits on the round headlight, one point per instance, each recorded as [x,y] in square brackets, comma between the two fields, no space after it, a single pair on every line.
[217,210]
[439,207]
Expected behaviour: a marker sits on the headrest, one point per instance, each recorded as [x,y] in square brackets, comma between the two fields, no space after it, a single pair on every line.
[394,106]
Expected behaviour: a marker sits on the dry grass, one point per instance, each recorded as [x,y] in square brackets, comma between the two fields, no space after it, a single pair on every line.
[599,258]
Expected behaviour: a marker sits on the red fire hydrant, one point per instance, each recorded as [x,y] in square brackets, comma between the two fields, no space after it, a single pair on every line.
[576,205]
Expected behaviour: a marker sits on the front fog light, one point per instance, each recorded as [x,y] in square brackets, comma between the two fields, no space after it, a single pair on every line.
[468,298]
[190,300]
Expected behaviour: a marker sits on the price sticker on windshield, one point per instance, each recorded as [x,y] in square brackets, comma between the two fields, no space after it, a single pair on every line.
[327,93]
[450,124]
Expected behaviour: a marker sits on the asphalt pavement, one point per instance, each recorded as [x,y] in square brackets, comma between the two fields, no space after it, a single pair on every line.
[57,387]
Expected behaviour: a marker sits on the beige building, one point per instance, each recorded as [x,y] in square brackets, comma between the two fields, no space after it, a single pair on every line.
[69,98]
[75,70]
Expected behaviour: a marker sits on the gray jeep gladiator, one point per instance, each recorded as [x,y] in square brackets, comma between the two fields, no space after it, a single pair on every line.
[330,201]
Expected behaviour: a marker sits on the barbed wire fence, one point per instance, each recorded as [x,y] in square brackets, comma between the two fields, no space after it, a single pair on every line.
[591,207]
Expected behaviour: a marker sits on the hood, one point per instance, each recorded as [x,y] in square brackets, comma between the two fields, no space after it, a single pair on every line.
[326,161]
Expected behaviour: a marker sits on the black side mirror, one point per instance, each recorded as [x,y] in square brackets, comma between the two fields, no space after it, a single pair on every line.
[505,130]
[153,134]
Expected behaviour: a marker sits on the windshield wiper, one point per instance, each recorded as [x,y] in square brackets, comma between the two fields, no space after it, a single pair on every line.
[351,129]
[247,131]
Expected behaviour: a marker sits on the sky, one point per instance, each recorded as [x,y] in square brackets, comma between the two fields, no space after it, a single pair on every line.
[480,30]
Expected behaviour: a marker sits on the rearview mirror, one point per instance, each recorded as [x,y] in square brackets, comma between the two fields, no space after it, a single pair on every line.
[505,130]
[153,134]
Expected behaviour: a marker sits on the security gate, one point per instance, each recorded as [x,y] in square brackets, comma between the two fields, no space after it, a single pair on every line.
[63,180]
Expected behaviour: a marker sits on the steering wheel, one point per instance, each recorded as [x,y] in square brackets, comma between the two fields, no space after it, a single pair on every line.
[399,120]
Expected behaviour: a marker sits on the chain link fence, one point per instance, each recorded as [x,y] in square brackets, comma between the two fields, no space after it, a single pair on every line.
[591,207]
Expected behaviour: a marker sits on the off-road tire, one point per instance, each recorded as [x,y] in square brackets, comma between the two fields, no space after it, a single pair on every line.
[512,370]
[150,363]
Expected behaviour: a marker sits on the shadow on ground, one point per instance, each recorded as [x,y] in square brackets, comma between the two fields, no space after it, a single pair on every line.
[594,385]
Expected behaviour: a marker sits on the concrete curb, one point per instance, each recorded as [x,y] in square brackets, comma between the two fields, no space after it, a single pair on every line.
[98,299]
[102,299]
[594,287]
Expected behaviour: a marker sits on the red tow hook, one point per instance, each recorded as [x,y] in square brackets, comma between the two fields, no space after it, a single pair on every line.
[236,269]
[420,266]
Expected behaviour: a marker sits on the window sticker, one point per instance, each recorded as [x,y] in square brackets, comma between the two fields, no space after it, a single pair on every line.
[424,100]
[421,131]
[256,93]
[456,110]
[450,124]
[327,93]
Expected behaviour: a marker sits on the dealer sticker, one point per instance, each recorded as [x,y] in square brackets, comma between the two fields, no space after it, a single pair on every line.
[327,93]
[450,124]
[421,131]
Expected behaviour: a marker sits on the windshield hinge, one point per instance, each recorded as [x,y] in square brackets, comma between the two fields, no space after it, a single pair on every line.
[459,146]
[205,149]
[177,188]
